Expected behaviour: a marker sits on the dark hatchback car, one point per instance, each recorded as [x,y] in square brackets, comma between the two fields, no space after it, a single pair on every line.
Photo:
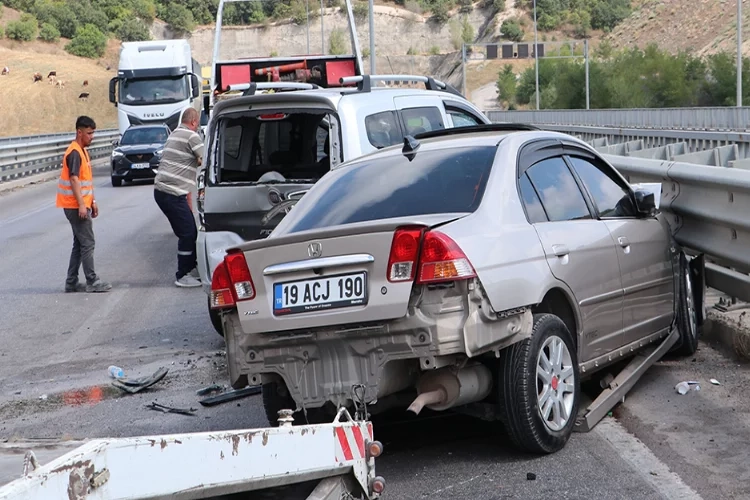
[138,154]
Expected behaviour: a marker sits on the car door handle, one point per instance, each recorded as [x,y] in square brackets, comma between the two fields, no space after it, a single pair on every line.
[560,250]
[623,241]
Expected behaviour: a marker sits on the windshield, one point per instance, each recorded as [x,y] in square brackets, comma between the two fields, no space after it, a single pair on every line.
[163,90]
[434,182]
[144,136]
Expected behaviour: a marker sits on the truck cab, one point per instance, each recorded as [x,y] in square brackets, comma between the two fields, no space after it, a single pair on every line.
[156,81]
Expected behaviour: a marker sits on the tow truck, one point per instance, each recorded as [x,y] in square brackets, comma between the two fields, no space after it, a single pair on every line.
[321,461]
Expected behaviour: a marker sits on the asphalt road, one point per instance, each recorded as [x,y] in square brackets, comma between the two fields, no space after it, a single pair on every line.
[54,389]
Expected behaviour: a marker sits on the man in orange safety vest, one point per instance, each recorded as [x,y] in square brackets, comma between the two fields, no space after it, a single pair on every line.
[75,195]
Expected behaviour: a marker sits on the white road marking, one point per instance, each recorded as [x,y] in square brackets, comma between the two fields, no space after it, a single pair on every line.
[644,462]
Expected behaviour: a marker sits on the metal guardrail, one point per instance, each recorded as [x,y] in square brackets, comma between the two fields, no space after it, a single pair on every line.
[23,159]
[713,118]
[15,139]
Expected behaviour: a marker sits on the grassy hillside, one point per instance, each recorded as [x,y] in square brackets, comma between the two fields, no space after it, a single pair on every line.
[31,108]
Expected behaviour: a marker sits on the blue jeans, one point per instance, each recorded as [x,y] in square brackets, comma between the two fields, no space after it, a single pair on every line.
[181,219]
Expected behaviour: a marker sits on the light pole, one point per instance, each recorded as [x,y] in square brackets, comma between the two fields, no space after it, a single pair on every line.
[322,32]
[307,28]
[536,59]
[739,53]
[372,38]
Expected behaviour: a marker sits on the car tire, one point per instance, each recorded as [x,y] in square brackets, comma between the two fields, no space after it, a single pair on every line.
[687,314]
[116,181]
[522,391]
[215,318]
[276,397]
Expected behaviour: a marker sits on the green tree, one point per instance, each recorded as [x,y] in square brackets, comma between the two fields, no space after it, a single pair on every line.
[440,13]
[49,33]
[609,13]
[179,18]
[506,85]
[133,30]
[24,29]
[89,42]
[511,30]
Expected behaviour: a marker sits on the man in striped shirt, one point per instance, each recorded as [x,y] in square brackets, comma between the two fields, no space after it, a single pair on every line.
[175,181]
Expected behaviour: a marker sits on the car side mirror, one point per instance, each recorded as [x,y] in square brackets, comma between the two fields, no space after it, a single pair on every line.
[115,142]
[645,203]
[196,84]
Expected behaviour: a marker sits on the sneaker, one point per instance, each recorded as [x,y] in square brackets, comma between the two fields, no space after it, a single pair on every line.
[98,286]
[78,287]
[187,281]
[195,274]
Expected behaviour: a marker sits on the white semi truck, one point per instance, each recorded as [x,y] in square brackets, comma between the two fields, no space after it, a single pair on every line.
[156,81]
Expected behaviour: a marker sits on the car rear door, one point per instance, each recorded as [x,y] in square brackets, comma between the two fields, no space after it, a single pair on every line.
[579,248]
[642,245]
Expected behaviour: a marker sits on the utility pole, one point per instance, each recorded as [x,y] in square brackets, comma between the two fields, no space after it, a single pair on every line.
[322,32]
[739,53]
[307,29]
[586,57]
[536,59]
[372,38]
[463,70]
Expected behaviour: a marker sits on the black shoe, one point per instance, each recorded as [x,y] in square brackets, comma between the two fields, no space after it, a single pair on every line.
[78,287]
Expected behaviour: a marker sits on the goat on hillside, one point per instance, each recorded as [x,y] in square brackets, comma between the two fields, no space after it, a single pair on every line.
[6,70]
[52,73]
[37,77]
[60,84]
[84,96]
[85,83]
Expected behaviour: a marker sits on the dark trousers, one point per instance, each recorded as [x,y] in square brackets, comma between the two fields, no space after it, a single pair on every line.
[83,247]
[183,224]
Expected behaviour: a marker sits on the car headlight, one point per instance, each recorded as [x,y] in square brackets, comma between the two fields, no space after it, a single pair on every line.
[117,154]
[158,152]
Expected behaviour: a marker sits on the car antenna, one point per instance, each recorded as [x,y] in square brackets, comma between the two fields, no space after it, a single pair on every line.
[411,145]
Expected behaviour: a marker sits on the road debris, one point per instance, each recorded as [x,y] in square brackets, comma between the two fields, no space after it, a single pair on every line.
[230,396]
[168,409]
[138,384]
[530,476]
[715,382]
[685,386]
[209,389]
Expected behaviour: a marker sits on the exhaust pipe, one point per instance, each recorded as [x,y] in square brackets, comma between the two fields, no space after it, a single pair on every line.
[442,389]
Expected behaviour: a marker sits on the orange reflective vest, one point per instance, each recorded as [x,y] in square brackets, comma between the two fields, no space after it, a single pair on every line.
[65,196]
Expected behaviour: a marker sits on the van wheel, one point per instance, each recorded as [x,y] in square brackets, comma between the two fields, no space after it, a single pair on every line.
[215,319]
[539,387]
[687,315]
[276,397]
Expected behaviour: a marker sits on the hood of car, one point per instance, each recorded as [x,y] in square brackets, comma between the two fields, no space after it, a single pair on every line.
[131,149]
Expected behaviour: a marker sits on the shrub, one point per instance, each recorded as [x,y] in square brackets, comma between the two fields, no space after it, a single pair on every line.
[506,85]
[49,33]
[361,11]
[133,30]
[465,5]
[2,32]
[434,50]
[511,30]
[24,29]
[336,43]
[440,13]
[89,42]
[179,18]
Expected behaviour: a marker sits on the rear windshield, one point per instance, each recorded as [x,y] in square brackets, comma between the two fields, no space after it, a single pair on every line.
[275,147]
[434,182]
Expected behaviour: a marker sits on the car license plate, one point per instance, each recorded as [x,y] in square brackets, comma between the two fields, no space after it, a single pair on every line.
[320,294]
[141,165]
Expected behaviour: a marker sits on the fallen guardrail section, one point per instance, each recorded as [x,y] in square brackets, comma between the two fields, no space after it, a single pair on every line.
[40,154]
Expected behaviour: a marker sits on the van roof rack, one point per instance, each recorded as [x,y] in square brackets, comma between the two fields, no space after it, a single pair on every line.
[364,82]
[485,127]
[252,87]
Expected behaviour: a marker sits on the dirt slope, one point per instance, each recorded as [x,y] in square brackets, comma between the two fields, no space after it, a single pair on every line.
[30,108]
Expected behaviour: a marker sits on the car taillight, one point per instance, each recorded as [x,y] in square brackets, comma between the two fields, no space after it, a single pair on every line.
[442,260]
[239,274]
[404,252]
[231,282]
[221,288]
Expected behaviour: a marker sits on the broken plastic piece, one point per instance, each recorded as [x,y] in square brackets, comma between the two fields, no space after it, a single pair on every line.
[230,396]
[138,384]
[715,382]
[209,389]
[168,409]
[684,386]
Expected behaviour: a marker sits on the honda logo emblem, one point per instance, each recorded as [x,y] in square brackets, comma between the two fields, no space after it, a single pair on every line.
[315,250]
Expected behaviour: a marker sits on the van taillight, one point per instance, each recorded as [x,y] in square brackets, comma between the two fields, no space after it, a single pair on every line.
[231,282]
[402,261]
[441,259]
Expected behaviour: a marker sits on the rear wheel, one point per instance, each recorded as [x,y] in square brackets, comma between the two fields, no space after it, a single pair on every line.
[539,387]
[687,314]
